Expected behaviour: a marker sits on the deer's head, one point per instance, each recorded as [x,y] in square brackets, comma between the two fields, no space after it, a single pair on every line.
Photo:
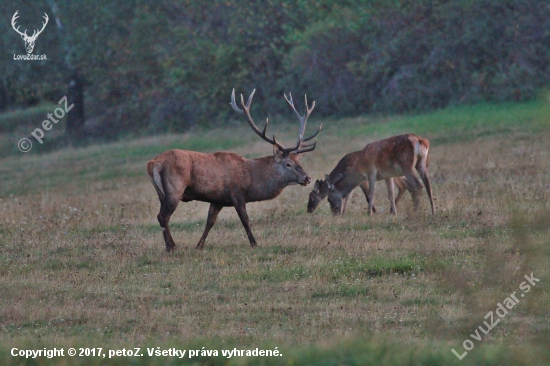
[287,159]
[322,189]
[289,166]
[29,40]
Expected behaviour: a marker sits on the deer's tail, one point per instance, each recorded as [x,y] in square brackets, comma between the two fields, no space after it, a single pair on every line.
[156,180]
[422,149]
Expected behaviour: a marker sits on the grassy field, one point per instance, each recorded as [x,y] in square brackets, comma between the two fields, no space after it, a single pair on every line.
[82,259]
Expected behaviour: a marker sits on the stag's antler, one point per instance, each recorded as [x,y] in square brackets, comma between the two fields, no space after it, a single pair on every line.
[246,112]
[303,122]
[299,148]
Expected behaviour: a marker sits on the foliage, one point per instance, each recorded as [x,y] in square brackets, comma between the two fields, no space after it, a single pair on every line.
[157,66]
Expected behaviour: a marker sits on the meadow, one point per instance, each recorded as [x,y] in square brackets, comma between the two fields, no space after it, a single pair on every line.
[83,263]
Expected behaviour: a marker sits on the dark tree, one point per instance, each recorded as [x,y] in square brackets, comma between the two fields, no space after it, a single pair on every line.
[75,118]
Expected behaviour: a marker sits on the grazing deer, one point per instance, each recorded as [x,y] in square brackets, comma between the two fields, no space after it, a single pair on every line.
[322,187]
[385,159]
[226,179]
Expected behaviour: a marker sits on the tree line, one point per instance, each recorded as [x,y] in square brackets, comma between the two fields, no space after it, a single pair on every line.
[153,66]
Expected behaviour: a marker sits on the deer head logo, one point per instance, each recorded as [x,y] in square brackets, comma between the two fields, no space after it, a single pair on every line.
[29,40]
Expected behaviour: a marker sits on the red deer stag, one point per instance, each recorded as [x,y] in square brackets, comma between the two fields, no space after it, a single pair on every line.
[347,163]
[226,179]
[385,159]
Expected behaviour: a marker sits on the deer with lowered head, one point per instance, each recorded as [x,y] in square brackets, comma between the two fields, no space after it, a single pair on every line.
[388,159]
[345,165]
[225,179]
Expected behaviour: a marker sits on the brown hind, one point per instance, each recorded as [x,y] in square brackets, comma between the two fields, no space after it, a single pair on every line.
[387,159]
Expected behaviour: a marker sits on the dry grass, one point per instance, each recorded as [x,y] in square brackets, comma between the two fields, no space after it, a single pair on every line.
[83,260]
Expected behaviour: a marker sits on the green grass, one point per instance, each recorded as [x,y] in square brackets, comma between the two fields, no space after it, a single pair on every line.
[106,162]
[463,123]
[29,118]
[373,266]
[83,263]
[115,161]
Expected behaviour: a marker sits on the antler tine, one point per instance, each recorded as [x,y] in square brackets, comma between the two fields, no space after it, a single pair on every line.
[233,104]
[302,119]
[303,122]
[291,104]
[250,121]
[306,148]
[315,134]
[306,116]
[283,149]
[288,150]
[308,145]
[249,100]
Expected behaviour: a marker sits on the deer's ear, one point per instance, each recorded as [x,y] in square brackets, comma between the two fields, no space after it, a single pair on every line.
[299,156]
[278,154]
[317,185]
[329,182]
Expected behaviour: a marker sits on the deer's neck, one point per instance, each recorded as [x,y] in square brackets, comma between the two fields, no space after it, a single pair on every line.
[266,179]
[348,183]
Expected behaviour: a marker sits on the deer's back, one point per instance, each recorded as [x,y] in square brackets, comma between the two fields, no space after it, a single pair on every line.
[206,177]
[390,155]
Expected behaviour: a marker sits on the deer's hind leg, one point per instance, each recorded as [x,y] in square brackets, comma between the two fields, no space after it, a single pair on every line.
[401,188]
[170,193]
[213,212]
[167,208]
[370,195]
[415,188]
[389,186]
[422,169]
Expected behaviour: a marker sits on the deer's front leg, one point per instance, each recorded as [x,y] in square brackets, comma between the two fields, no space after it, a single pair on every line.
[345,201]
[240,207]
[365,188]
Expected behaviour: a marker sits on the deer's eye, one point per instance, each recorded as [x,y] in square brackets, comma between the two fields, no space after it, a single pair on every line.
[288,165]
